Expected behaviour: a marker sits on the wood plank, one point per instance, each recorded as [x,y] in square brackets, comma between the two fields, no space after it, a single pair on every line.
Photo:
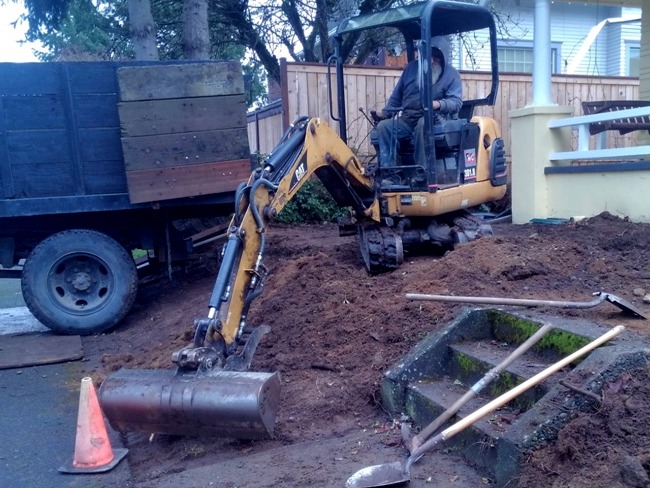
[39,146]
[102,144]
[96,111]
[42,112]
[190,148]
[30,79]
[104,177]
[92,77]
[180,81]
[17,351]
[47,179]
[154,117]
[186,181]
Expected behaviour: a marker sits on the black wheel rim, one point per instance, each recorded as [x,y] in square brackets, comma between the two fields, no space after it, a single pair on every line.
[80,283]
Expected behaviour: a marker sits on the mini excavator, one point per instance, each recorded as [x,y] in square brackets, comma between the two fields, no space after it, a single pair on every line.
[212,391]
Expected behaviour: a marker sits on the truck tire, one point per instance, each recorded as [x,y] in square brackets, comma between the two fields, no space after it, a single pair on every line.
[79,282]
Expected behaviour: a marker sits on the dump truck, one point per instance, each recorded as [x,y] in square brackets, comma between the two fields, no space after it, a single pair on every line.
[211,390]
[105,162]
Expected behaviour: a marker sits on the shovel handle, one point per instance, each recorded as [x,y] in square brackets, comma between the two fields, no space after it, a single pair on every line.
[461,425]
[522,302]
[479,385]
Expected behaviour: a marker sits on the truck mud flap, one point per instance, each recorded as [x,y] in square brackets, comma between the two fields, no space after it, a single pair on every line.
[240,405]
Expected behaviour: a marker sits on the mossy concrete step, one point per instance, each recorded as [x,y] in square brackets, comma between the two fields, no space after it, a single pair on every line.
[558,343]
[477,445]
[470,361]
[430,358]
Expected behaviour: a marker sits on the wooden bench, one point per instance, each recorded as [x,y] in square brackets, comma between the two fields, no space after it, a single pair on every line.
[624,125]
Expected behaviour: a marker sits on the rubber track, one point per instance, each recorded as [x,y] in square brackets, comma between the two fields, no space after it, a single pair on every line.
[382,249]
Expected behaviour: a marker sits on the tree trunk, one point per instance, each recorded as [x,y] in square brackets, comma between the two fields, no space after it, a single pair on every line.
[143,30]
[196,34]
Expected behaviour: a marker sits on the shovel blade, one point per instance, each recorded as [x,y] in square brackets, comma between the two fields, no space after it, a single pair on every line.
[390,474]
[624,305]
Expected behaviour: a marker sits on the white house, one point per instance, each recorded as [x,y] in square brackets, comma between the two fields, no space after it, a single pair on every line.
[586,39]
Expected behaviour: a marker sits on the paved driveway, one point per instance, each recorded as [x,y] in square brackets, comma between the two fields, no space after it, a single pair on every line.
[10,295]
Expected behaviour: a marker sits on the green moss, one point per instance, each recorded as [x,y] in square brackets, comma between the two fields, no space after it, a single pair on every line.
[516,330]
[468,364]
[562,342]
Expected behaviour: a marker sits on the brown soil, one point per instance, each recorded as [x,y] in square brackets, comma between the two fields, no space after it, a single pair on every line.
[336,329]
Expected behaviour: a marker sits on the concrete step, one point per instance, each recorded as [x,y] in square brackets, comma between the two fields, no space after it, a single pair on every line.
[441,368]
[477,444]
[470,361]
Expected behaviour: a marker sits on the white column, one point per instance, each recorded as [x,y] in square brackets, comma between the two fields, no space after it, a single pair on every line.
[644,67]
[542,55]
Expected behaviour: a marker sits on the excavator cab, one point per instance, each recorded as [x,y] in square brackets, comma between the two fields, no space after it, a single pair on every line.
[448,155]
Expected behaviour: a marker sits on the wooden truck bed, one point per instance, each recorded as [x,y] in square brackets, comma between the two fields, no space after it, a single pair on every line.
[93,136]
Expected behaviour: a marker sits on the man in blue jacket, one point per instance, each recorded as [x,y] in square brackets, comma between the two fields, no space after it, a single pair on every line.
[404,109]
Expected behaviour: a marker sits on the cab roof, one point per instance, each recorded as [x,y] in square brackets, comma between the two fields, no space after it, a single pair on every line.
[445,17]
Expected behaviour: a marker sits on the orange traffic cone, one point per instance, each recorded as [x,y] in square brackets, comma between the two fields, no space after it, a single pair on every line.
[92,451]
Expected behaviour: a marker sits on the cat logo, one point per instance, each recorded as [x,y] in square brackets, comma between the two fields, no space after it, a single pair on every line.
[299,173]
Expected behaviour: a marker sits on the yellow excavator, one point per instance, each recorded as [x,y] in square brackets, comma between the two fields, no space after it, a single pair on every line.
[212,391]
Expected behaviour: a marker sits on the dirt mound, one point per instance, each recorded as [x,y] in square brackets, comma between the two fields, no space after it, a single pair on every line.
[336,329]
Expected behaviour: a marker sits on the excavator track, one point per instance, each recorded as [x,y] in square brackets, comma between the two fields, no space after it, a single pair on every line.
[381,248]
[468,227]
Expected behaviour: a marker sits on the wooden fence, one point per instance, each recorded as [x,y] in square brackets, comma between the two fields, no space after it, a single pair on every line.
[305,92]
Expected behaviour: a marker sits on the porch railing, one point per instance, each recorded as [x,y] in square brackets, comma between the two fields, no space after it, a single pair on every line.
[582,123]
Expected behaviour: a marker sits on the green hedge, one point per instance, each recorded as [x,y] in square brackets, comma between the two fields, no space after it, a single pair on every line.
[312,203]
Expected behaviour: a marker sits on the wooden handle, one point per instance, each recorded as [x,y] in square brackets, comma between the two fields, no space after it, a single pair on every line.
[519,389]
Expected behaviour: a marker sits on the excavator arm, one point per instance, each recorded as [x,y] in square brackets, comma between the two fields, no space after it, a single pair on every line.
[212,375]
[308,148]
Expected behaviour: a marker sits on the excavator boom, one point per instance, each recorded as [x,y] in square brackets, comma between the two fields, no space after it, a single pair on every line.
[212,391]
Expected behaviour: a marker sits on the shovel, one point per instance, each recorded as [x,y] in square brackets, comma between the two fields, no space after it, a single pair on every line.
[396,473]
[624,305]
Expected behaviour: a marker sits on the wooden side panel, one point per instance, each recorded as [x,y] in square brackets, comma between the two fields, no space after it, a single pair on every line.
[184,130]
[184,149]
[179,181]
[182,115]
[60,130]
[180,81]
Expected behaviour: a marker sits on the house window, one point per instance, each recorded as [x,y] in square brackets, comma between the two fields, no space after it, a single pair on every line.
[518,57]
[633,53]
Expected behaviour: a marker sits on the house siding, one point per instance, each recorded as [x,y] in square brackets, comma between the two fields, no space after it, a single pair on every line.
[570,24]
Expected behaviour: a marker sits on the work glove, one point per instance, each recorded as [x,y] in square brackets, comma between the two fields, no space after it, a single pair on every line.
[378,117]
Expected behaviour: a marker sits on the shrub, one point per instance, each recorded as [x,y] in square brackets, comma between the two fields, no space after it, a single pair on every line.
[312,203]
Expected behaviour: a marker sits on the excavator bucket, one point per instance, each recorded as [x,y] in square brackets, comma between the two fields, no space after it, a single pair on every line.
[232,404]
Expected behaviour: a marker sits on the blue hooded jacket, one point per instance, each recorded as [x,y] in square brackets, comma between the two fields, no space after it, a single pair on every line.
[447,90]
